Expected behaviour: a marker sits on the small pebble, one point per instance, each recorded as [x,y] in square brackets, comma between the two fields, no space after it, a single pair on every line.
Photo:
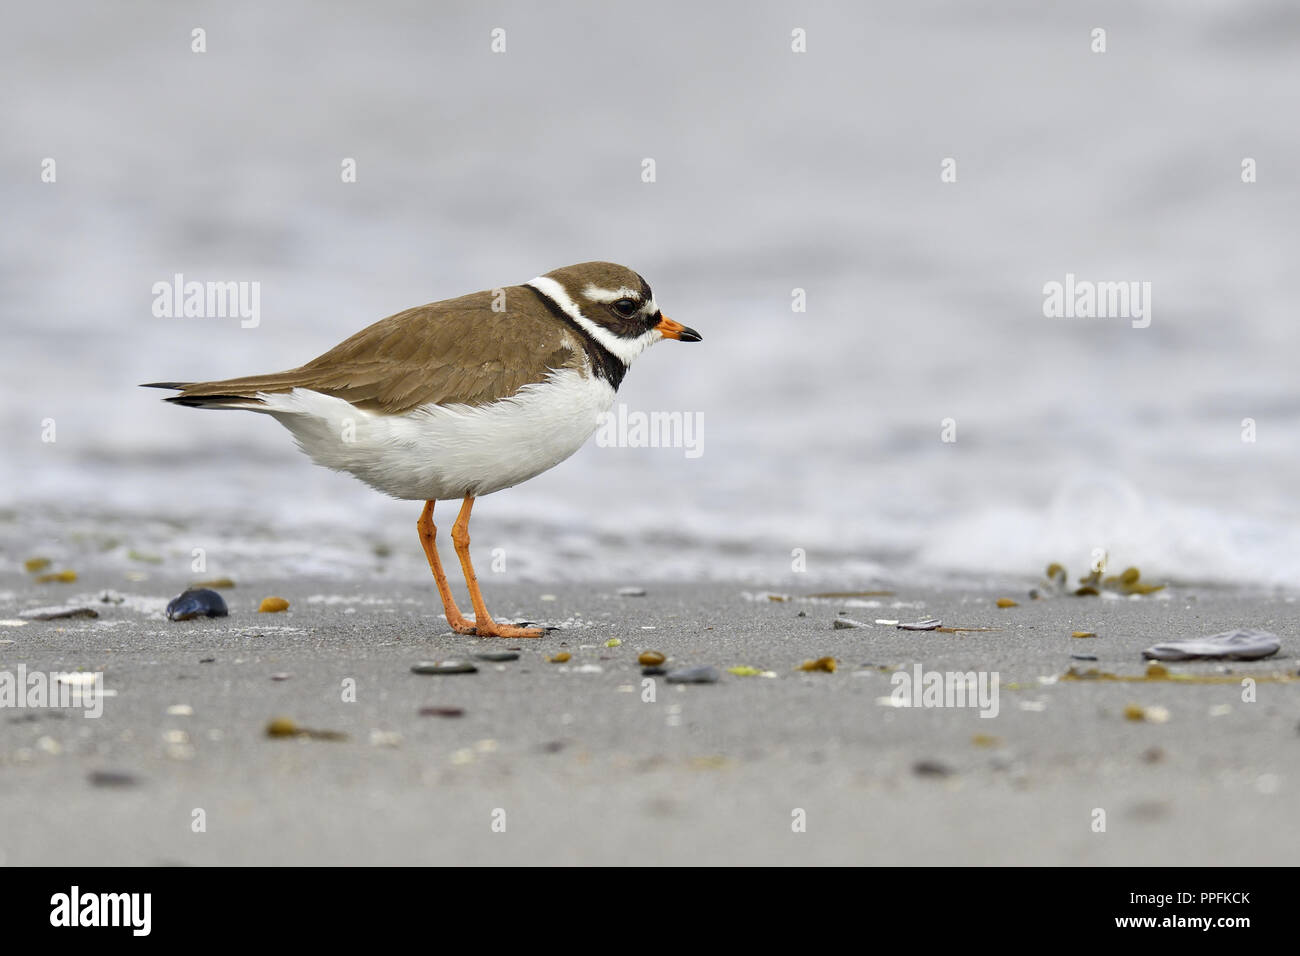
[653,671]
[226,583]
[650,658]
[78,679]
[1083,657]
[826,664]
[1007,602]
[110,597]
[200,602]
[207,660]
[931,768]
[272,605]
[631,592]
[1150,810]
[442,712]
[1153,715]
[846,623]
[282,727]
[497,656]
[112,778]
[281,676]
[32,565]
[180,710]
[444,667]
[560,658]
[613,642]
[694,675]
[57,613]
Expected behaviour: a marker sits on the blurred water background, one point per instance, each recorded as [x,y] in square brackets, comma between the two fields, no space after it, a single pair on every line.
[775,170]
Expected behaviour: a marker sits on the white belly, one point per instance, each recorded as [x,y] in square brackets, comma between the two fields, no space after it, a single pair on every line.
[443,452]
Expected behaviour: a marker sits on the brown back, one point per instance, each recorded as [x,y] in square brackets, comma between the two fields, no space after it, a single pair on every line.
[454,352]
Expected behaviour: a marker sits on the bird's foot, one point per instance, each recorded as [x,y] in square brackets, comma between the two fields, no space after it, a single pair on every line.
[493,629]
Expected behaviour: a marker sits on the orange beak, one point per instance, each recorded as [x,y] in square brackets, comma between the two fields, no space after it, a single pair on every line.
[675,330]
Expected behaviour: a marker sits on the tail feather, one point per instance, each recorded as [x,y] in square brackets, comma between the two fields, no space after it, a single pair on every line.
[215,401]
[229,393]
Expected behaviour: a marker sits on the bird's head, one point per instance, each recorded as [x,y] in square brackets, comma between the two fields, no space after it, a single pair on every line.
[613,305]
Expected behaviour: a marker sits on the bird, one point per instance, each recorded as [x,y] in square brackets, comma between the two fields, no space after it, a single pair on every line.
[462,398]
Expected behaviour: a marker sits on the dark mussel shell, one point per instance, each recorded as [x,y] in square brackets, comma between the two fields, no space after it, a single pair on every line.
[197,602]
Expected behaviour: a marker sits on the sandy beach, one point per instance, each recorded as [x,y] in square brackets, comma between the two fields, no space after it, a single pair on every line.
[568,763]
[978,291]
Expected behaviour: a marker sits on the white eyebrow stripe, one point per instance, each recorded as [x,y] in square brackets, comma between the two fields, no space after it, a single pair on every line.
[623,349]
[605,296]
[596,294]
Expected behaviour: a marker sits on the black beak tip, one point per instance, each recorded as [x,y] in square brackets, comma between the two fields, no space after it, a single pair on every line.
[690,335]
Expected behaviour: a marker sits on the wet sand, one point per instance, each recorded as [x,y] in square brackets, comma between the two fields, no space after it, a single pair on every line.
[587,771]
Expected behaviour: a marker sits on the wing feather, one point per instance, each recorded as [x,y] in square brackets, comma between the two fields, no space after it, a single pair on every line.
[455,352]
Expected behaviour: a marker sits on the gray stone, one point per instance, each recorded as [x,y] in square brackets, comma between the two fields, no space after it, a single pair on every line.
[694,675]
[112,778]
[445,667]
[1243,644]
[931,768]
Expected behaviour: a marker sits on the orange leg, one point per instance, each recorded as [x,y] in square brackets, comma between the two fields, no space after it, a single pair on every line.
[459,623]
[484,626]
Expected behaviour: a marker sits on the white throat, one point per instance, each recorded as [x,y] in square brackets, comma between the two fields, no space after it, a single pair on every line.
[625,350]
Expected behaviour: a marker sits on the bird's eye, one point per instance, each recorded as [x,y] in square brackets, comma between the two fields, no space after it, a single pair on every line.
[625,307]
